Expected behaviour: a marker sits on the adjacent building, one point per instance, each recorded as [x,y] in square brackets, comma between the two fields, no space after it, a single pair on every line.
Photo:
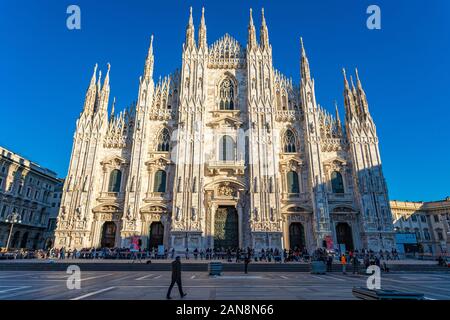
[225,152]
[34,193]
[428,221]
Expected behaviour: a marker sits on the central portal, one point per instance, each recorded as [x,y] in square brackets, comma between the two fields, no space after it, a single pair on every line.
[226,228]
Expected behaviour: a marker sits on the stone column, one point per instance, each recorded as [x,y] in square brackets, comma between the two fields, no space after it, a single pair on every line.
[211,221]
[150,180]
[104,186]
[240,226]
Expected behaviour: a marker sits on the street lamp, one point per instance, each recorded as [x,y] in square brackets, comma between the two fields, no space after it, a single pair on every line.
[12,218]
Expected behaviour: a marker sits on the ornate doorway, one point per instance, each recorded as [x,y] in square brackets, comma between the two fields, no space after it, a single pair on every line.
[226,227]
[108,235]
[156,235]
[296,236]
[344,235]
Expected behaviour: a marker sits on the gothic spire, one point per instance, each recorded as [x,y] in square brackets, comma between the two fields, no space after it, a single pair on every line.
[361,94]
[149,61]
[92,84]
[264,36]
[338,118]
[106,81]
[202,31]
[349,102]
[305,71]
[112,108]
[251,33]
[345,79]
[91,92]
[190,30]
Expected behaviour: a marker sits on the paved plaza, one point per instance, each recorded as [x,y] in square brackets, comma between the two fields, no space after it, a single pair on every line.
[133,285]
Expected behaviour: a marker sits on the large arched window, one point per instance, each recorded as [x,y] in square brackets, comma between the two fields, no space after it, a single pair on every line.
[115,178]
[226,94]
[160,181]
[289,142]
[164,140]
[292,182]
[226,149]
[337,184]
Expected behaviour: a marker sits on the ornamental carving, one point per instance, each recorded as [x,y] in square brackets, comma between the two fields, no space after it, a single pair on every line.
[225,190]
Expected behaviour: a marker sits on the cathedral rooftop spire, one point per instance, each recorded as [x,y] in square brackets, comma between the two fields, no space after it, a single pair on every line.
[305,71]
[112,108]
[202,43]
[345,79]
[106,81]
[361,94]
[149,61]
[190,30]
[93,76]
[264,36]
[251,32]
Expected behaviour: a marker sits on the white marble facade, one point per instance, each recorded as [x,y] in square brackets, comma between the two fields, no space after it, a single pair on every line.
[226,150]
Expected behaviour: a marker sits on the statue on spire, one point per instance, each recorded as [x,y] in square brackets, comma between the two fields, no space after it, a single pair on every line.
[264,37]
[251,33]
[190,30]
[305,71]
[202,43]
[149,61]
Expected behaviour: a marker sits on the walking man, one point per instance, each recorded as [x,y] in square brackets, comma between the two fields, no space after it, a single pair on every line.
[176,278]
[246,262]
[355,264]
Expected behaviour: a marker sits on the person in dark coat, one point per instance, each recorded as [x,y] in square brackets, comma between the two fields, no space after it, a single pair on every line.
[176,277]
[330,263]
[246,262]
[355,264]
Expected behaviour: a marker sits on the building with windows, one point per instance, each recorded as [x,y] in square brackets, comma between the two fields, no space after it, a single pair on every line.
[225,152]
[34,193]
[429,221]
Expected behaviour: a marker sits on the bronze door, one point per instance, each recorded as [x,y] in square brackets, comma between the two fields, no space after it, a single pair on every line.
[226,232]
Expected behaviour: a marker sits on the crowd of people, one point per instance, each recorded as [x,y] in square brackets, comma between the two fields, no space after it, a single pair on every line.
[362,257]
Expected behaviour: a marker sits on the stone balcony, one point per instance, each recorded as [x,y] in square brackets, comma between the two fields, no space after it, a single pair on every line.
[302,197]
[111,196]
[158,196]
[340,197]
[236,167]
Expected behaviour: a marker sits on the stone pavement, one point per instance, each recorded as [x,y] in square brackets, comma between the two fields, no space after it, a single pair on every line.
[136,285]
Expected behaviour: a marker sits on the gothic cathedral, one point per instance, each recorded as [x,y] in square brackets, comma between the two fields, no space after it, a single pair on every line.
[225,152]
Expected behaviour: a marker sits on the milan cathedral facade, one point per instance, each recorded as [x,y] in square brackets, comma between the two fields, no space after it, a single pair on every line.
[225,152]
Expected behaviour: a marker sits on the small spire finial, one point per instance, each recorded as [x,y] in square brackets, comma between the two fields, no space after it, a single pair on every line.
[191,20]
[262,17]
[358,82]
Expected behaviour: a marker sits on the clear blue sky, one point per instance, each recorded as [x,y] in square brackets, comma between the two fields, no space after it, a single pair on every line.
[405,68]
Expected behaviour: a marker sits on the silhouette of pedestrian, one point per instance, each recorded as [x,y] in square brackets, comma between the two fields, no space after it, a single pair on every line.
[176,277]
[246,262]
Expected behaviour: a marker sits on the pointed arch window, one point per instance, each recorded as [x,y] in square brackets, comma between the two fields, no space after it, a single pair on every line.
[226,94]
[160,181]
[292,182]
[337,183]
[289,142]
[164,140]
[226,149]
[115,178]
